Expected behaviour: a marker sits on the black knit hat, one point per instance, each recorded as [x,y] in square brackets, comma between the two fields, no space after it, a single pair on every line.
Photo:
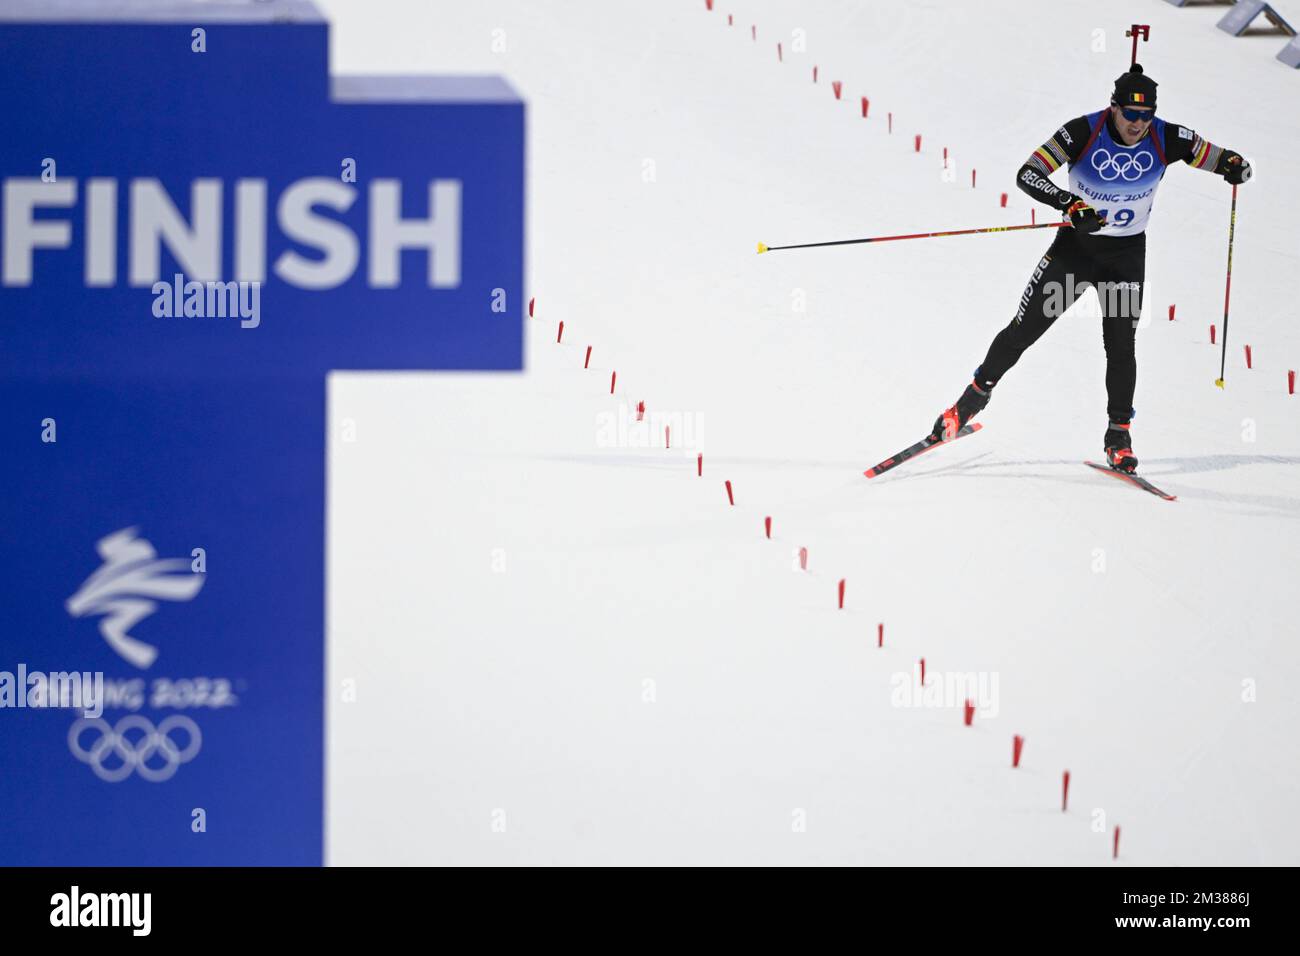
[1134,88]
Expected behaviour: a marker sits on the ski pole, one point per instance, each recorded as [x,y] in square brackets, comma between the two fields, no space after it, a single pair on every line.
[920,235]
[1227,288]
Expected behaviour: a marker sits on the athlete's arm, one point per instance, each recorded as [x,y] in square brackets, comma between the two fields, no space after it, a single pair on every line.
[1065,146]
[1187,145]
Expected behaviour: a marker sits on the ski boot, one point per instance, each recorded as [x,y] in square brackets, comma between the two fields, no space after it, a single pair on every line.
[970,404]
[1119,450]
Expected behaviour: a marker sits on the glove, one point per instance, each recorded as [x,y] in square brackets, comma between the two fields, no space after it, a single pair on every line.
[1083,217]
[1234,167]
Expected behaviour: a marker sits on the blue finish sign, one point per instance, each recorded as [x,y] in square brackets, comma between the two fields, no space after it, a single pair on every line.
[196,225]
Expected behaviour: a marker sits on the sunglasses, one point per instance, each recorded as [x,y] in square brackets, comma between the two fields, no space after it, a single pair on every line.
[1138,116]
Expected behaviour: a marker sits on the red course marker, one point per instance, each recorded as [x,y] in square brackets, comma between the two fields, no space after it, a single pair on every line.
[1211,335]
[918,142]
[890,117]
[1171,313]
[836,86]
[779,57]
[587,361]
[970,711]
[1248,356]
[531,303]
[972,179]
[729,20]
[640,410]
[803,559]
[945,156]
[708,4]
[767,527]
[1003,201]
[880,635]
[1065,791]
[866,105]
[1017,744]
[922,671]
[613,377]
[1290,382]
[699,465]
[841,594]
[1114,853]
[814,74]
[731,498]
[667,443]
[1033,219]
[560,334]
[753,32]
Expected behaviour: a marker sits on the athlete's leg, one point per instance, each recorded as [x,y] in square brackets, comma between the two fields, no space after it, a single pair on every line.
[1120,293]
[1060,277]
[1058,280]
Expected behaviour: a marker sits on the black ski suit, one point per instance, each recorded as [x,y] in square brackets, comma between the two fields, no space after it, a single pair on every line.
[1113,265]
[1074,263]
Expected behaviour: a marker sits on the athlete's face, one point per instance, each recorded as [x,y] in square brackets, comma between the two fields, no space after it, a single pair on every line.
[1130,131]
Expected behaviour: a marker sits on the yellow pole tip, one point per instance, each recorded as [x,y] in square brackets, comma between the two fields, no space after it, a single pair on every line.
[761,248]
[1219,382]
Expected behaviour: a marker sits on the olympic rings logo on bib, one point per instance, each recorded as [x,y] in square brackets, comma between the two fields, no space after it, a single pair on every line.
[1129,166]
[135,754]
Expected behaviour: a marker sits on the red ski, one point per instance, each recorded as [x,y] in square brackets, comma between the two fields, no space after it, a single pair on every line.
[1133,480]
[924,445]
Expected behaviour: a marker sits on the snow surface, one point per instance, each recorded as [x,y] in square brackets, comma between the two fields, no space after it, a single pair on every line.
[567,648]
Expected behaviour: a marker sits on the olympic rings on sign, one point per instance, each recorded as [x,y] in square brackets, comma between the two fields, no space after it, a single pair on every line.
[134,754]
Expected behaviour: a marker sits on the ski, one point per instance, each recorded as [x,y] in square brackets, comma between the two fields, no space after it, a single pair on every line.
[1133,479]
[924,445]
